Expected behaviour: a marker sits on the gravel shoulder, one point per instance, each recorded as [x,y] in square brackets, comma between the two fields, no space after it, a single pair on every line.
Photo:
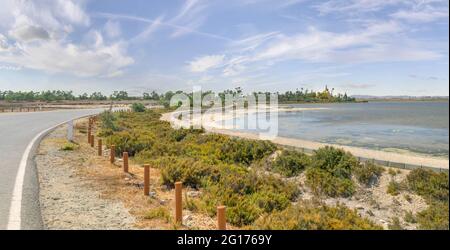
[68,200]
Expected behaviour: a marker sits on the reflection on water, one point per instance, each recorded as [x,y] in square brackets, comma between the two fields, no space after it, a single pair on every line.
[421,127]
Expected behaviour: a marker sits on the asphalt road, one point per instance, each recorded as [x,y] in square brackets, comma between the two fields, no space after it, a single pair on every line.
[17,130]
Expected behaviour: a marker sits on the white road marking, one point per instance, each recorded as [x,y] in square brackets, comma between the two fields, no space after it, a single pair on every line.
[15,210]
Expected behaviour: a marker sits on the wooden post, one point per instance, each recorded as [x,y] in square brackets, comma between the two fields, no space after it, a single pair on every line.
[92,141]
[221,218]
[178,203]
[146,180]
[89,134]
[112,154]
[125,162]
[100,149]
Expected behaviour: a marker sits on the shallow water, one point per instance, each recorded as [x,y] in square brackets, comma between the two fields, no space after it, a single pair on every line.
[418,127]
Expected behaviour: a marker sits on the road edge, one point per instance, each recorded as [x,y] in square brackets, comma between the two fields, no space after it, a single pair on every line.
[15,210]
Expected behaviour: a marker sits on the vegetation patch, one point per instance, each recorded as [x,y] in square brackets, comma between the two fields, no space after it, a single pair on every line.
[69,146]
[138,107]
[433,187]
[291,163]
[428,184]
[394,188]
[331,171]
[161,213]
[315,216]
[368,173]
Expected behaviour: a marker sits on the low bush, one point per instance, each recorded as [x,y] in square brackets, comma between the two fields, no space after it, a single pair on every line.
[192,173]
[158,213]
[247,195]
[242,151]
[131,141]
[335,161]
[368,173]
[290,163]
[331,171]
[435,217]
[431,185]
[394,188]
[69,146]
[312,216]
[138,107]
[324,183]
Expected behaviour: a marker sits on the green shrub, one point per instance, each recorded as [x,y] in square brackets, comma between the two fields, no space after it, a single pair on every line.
[324,183]
[180,134]
[158,213]
[312,216]
[192,173]
[434,188]
[247,195]
[435,217]
[331,171]
[108,124]
[131,141]
[69,146]
[367,173]
[243,151]
[335,161]
[243,213]
[138,107]
[429,184]
[291,163]
[394,188]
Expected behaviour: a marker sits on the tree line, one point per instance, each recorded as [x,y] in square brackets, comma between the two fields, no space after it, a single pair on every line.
[300,95]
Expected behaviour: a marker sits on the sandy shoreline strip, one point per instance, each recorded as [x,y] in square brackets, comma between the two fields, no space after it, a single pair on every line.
[397,158]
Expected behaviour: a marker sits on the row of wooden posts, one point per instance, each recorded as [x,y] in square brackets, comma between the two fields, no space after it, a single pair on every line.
[221,217]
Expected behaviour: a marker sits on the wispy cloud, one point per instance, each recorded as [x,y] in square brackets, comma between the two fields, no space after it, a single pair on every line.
[373,43]
[148,31]
[427,14]
[191,15]
[205,63]
[355,6]
[161,23]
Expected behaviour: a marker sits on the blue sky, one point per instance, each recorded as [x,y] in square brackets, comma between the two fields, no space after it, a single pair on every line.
[376,47]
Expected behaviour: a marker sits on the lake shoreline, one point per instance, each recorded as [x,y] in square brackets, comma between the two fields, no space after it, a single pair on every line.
[412,160]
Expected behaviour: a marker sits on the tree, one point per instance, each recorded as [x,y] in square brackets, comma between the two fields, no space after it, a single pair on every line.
[119,95]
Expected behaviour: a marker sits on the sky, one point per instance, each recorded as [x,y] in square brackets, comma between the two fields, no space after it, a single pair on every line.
[373,47]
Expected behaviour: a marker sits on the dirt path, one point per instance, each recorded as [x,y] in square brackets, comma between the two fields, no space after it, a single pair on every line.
[67,200]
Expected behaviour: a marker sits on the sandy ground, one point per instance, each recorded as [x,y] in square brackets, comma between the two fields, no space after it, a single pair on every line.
[209,122]
[374,202]
[67,201]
